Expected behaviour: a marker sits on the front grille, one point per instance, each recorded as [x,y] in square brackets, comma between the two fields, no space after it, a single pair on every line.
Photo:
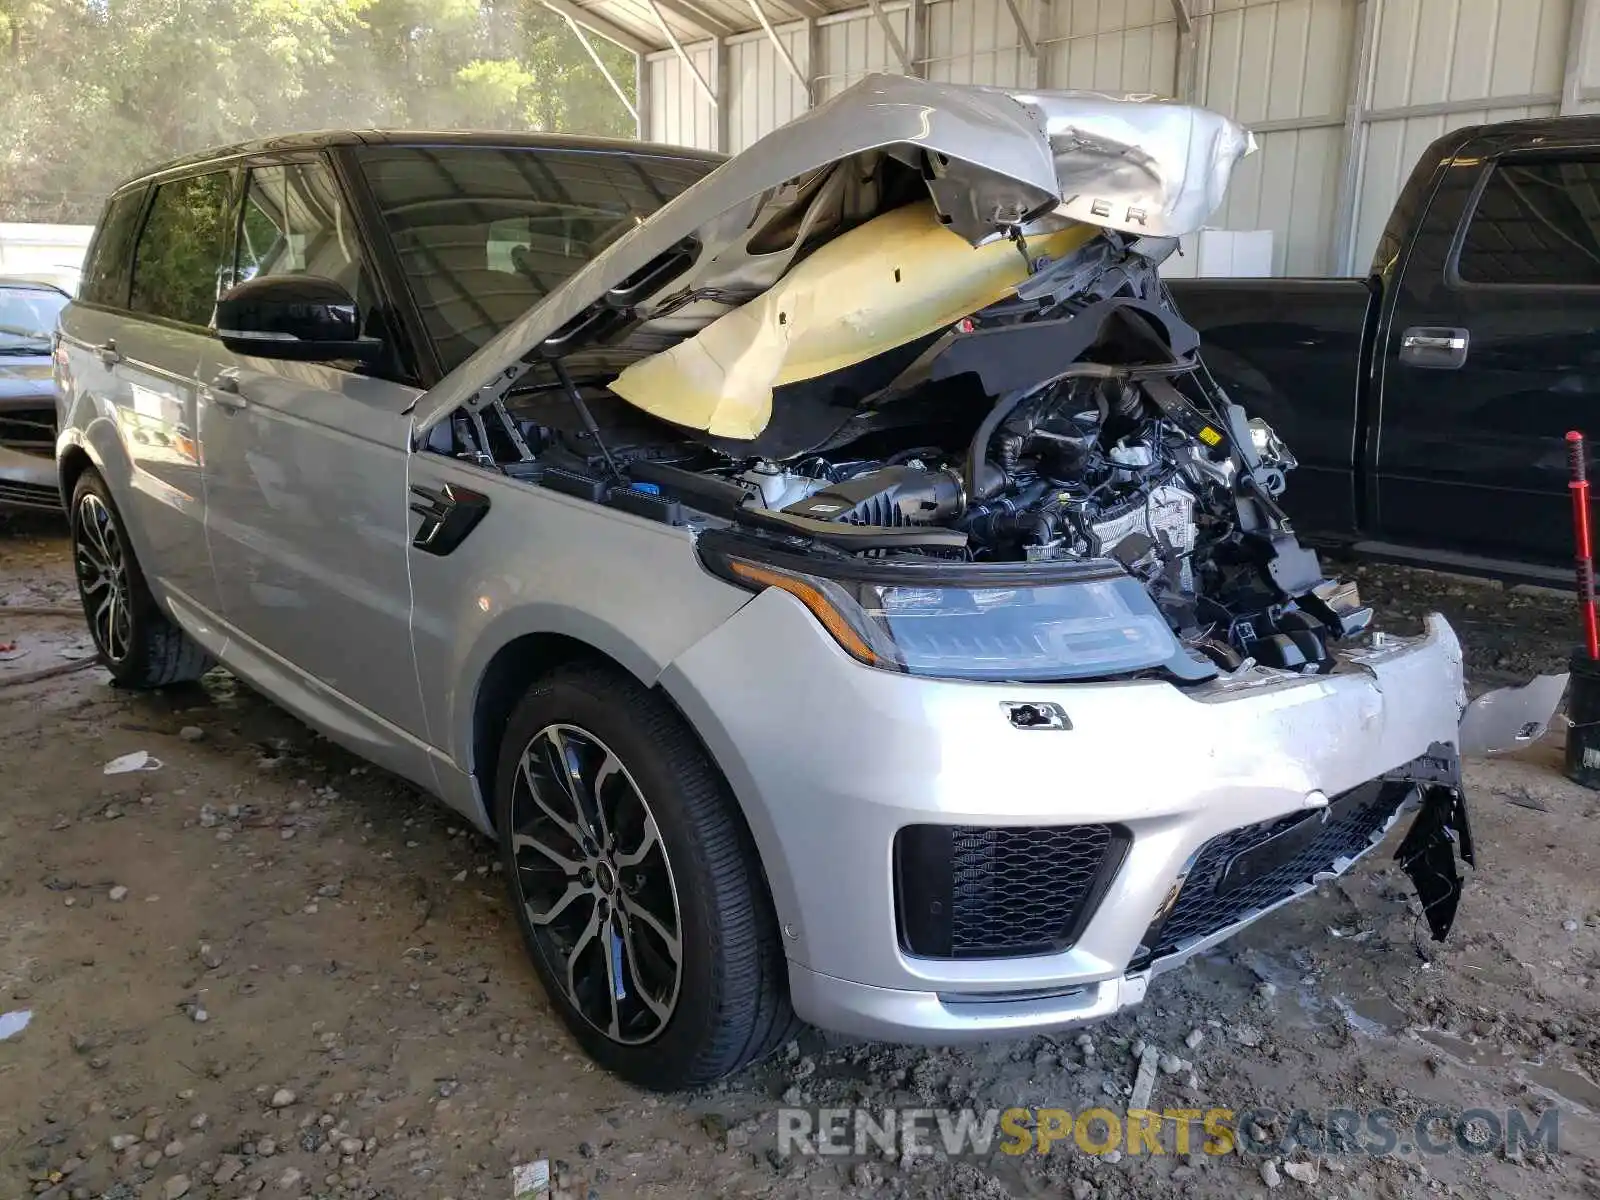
[1225,886]
[30,430]
[968,891]
[29,495]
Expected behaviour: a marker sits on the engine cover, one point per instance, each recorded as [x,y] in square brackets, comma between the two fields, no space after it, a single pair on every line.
[889,496]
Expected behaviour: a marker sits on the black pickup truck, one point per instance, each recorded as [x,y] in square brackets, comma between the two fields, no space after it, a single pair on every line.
[1429,402]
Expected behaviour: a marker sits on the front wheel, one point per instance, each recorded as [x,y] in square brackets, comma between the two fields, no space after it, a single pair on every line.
[138,643]
[636,884]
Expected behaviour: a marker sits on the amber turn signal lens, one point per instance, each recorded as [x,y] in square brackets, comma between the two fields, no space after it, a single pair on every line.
[821,608]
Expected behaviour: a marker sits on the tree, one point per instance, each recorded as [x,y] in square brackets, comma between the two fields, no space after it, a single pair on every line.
[154,79]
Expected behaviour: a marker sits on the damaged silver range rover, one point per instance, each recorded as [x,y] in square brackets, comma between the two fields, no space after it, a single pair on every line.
[831,575]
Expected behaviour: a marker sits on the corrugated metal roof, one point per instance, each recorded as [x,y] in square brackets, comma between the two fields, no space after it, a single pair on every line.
[634,24]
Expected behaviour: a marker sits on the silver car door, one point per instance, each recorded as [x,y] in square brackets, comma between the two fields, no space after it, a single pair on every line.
[154,352]
[305,473]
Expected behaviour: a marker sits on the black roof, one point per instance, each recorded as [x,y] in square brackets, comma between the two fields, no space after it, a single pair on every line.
[322,139]
[1530,133]
[37,285]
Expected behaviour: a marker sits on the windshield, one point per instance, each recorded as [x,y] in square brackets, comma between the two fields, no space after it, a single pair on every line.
[28,318]
[484,233]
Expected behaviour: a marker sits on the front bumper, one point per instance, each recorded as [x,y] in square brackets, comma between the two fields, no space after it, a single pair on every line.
[829,760]
[28,481]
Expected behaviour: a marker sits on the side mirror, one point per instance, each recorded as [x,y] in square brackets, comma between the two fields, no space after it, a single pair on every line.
[305,318]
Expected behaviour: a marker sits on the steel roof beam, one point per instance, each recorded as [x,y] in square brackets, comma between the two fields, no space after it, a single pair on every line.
[777,44]
[599,25]
[1025,35]
[683,55]
[583,39]
[893,38]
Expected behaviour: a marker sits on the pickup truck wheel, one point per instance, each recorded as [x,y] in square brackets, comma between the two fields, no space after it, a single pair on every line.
[140,646]
[636,885]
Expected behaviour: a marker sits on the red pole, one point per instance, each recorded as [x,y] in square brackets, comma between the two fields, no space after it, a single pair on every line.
[1579,486]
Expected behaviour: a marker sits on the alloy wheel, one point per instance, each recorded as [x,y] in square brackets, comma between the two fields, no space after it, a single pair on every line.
[103,578]
[593,876]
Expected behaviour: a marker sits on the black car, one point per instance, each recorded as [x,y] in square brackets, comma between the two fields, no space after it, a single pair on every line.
[28,312]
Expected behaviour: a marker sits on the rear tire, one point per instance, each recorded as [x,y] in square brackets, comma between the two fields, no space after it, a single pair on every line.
[138,643]
[652,855]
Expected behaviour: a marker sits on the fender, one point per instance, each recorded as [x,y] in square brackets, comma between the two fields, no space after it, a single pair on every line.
[538,619]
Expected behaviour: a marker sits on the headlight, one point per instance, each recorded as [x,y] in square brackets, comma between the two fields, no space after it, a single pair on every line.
[961,621]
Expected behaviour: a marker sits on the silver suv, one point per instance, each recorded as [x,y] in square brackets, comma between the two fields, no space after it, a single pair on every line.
[830,574]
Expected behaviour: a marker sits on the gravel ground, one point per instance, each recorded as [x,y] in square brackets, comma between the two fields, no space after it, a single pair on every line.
[262,967]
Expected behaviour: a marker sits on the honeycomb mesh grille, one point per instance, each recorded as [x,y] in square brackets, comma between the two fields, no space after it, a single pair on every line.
[1355,822]
[1024,890]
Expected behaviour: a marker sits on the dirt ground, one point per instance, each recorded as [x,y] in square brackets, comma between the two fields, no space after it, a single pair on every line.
[261,967]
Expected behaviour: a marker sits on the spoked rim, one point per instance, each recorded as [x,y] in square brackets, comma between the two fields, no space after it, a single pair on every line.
[593,876]
[103,578]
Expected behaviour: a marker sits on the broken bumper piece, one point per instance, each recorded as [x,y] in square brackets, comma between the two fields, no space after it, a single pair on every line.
[1439,833]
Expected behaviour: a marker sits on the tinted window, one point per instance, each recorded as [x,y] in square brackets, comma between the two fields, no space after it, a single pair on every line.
[105,273]
[1536,222]
[295,223]
[180,256]
[484,233]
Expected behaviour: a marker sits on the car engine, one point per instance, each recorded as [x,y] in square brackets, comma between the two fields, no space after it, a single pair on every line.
[1071,422]
[1160,474]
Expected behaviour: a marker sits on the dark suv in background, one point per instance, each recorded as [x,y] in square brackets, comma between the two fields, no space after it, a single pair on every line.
[28,312]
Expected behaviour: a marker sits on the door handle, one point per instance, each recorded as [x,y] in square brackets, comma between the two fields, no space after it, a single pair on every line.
[1435,349]
[224,391]
[107,352]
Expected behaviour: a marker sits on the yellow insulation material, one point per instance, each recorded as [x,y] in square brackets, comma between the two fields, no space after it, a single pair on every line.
[895,278]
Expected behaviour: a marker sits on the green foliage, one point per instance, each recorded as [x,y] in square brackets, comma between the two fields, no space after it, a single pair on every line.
[92,91]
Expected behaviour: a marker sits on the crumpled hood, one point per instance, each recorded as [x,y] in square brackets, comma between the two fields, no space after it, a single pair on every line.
[992,160]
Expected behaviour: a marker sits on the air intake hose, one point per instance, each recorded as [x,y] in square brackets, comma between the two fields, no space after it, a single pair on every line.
[985,479]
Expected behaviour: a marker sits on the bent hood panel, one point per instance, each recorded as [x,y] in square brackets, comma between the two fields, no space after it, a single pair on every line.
[991,159]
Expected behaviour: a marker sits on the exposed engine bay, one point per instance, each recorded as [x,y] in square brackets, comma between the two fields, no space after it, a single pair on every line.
[1071,421]
[908,358]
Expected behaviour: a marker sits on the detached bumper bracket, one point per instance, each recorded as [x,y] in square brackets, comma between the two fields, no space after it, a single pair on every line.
[1440,833]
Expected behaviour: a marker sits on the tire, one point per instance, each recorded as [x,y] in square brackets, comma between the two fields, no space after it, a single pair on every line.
[138,643]
[725,1003]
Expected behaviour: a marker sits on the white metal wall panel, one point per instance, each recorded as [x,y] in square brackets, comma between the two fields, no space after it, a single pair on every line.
[1277,60]
[1120,46]
[1290,186]
[678,110]
[1437,51]
[762,94]
[976,41]
[856,46]
[1282,62]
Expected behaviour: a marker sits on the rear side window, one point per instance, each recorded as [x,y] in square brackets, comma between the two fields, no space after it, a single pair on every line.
[484,233]
[180,257]
[1536,223]
[105,271]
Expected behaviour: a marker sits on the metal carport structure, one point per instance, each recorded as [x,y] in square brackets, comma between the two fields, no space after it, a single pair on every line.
[1343,94]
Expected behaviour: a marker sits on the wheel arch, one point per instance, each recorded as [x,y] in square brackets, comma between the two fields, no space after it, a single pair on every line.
[514,666]
[98,444]
[507,675]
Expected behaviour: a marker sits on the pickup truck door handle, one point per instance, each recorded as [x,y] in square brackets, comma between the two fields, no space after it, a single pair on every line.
[1435,349]
[107,353]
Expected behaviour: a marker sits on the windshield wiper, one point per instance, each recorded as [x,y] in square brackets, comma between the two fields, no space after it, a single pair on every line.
[31,349]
